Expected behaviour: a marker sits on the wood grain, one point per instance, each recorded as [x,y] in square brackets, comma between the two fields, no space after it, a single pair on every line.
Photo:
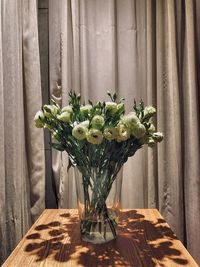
[144,239]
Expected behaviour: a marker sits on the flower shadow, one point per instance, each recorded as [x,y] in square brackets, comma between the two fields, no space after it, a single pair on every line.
[139,243]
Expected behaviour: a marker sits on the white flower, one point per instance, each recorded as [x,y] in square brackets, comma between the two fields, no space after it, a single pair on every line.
[85,109]
[130,119]
[95,137]
[67,108]
[65,116]
[98,122]
[110,133]
[39,116]
[149,111]
[85,123]
[123,132]
[79,132]
[158,137]
[111,107]
[138,130]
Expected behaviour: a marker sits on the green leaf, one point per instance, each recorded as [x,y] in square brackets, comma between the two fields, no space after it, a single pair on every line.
[90,102]
[58,146]
[53,102]
[114,96]
[109,93]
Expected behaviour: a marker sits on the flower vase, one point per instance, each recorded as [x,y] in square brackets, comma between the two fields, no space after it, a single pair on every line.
[98,197]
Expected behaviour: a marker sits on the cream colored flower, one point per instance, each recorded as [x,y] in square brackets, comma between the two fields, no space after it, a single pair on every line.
[65,116]
[130,119]
[98,122]
[39,116]
[110,133]
[138,130]
[111,107]
[123,132]
[67,108]
[85,123]
[50,110]
[95,137]
[79,132]
[85,109]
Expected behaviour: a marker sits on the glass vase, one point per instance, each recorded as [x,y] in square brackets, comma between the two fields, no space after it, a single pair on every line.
[98,197]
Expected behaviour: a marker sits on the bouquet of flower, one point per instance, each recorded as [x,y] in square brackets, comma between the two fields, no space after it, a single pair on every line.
[99,138]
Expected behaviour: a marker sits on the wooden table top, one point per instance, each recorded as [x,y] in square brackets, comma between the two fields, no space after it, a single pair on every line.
[144,239]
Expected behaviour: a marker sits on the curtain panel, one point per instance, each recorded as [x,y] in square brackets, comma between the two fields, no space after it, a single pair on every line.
[141,49]
[21,144]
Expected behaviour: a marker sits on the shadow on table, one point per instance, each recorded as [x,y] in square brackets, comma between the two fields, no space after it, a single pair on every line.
[139,243]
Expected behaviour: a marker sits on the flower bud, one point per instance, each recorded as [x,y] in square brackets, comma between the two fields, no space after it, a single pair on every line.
[158,137]
[39,116]
[111,107]
[98,105]
[95,137]
[97,122]
[79,132]
[149,111]
[50,110]
[151,129]
[65,116]
[151,143]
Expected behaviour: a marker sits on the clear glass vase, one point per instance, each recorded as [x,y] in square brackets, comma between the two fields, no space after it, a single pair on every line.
[99,197]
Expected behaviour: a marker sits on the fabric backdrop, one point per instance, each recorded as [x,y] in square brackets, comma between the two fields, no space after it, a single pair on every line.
[21,144]
[144,49]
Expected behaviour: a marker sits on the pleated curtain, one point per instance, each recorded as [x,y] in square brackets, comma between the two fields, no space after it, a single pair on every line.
[21,144]
[145,49]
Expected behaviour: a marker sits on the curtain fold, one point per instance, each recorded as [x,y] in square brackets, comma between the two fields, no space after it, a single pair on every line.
[191,132]
[21,144]
[141,49]
[170,173]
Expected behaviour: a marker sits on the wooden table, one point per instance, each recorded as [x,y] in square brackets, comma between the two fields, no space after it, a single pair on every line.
[144,239]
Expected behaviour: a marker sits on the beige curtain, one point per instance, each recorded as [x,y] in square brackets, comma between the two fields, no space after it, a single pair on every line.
[144,49]
[21,144]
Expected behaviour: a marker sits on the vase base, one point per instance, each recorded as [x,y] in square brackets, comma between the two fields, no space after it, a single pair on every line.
[97,238]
